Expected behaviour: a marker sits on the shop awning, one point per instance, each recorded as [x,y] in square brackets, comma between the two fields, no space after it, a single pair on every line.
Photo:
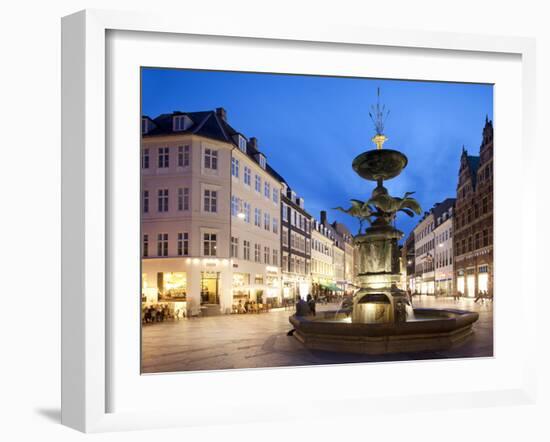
[331,286]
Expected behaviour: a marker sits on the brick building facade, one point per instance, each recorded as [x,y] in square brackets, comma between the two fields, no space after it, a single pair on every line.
[473,220]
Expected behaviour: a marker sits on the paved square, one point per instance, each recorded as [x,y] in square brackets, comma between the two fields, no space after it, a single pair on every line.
[260,340]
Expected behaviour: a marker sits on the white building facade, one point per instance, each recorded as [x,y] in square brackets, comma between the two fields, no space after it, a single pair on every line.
[209,237]
[322,256]
[423,257]
[443,253]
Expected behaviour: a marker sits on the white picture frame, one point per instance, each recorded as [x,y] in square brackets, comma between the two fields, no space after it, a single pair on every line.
[86,357]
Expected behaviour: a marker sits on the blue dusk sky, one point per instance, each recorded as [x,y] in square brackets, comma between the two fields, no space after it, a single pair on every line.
[311,128]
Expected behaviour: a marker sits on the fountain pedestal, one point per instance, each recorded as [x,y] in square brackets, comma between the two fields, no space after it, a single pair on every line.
[379,300]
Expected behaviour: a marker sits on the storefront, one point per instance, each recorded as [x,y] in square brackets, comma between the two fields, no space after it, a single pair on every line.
[210,285]
[483,278]
[241,287]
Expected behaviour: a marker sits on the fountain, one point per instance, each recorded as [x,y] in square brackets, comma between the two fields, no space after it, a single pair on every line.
[382,317]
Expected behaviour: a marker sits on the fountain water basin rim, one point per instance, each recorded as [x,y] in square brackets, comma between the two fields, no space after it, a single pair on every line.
[433,329]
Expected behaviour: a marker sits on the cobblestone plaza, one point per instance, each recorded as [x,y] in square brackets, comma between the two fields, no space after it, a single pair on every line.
[260,340]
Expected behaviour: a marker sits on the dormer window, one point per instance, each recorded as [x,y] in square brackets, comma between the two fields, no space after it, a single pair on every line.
[146,125]
[242,143]
[181,123]
[261,159]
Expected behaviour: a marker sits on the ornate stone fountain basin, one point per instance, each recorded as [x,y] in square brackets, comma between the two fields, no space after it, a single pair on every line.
[381,164]
[432,329]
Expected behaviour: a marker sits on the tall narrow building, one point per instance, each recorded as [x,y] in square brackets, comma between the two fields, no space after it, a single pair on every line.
[473,230]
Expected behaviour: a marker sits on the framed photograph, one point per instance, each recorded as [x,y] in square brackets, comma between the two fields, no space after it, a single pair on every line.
[249,210]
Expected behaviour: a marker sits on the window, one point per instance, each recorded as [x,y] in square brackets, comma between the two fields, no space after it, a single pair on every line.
[485,238]
[246,250]
[284,263]
[145,159]
[247,174]
[145,201]
[211,159]
[267,221]
[163,200]
[247,212]
[145,245]
[235,167]
[179,123]
[485,204]
[144,125]
[257,217]
[285,212]
[163,157]
[242,143]
[183,244]
[262,162]
[267,254]
[162,244]
[234,205]
[211,201]
[183,198]
[276,195]
[267,190]
[258,183]
[477,242]
[275,225]
[285,236]
[275,261]
[257,251]
[234,247]
[209,244]
[469,244]
[183,156]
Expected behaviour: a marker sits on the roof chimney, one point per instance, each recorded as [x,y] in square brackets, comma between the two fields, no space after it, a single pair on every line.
[253,142]
[221,112]
[323,217]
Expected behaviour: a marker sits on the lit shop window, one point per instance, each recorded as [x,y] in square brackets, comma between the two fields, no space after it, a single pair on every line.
[172,286]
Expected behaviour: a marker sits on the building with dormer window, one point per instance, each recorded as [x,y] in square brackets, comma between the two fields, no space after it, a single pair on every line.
[201,251]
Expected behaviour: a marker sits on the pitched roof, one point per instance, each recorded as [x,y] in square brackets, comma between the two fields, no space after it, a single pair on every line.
[206,124]
[442,207]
